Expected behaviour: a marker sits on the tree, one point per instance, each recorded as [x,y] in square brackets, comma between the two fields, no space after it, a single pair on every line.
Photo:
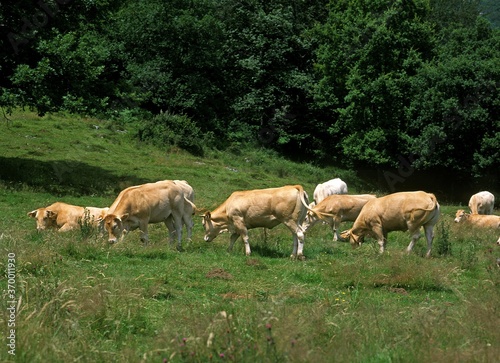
[368,52]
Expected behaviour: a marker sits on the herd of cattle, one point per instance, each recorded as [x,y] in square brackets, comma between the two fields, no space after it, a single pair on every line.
[172,202]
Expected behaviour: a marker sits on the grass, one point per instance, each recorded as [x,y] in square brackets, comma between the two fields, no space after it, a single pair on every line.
[83,300]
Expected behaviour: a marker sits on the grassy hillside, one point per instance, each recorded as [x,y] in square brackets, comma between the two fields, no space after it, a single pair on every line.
[79,299]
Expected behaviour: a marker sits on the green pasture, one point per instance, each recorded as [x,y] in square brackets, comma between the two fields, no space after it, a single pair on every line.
[79,299]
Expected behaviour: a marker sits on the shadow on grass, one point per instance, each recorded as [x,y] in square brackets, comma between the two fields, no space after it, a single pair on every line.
[265,250]
[63,177]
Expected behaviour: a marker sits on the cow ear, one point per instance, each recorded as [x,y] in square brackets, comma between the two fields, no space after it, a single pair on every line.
[51,214]
[32,214]
[125,217]
[207,216]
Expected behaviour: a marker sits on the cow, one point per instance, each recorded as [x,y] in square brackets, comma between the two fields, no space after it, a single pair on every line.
[323,190]
[261,208]
[335,209]
[403,211]
[482,203]
[477,220]
[61,216]
[137,206]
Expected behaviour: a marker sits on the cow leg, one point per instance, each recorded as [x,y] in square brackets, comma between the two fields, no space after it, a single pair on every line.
[144,233]
[429,235]
[189,227]
[66,227]
[234,237]
[178,229]
[380,236]
[335,224]
[247,245]
[415,235]
[298,240]
[171,229]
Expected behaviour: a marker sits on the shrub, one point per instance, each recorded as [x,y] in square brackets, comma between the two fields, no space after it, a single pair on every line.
[166,129]
[442,244]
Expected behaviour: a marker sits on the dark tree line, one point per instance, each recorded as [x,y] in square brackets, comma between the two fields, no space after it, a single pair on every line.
[362,84]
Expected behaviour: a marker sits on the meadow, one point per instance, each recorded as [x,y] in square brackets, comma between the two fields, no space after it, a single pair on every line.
[77,298]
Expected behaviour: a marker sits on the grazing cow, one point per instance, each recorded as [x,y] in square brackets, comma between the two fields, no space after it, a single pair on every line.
[265,208]
[61,216]
[478,220]
[396,212]
[333,186]
[335,209]
[137,206]
[482,203]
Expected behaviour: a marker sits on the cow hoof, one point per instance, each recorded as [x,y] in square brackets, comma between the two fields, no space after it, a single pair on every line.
[298,257]
[180,249]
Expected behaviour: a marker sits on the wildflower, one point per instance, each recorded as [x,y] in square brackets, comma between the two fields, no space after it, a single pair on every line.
[268,326]
[221,355]
[293,342]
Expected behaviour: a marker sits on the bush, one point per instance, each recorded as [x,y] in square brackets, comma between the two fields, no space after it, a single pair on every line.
[442,243]
[167,129]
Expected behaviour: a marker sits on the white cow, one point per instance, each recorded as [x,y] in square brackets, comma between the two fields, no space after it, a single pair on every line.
[323,190]
[482,203]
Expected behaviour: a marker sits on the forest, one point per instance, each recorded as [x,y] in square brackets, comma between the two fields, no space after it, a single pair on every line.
[400,89]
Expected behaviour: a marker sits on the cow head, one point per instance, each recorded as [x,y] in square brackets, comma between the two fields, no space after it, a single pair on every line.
[212,228]
[356,240]
[310,220]
[44,218]
[115,226]
[460,215]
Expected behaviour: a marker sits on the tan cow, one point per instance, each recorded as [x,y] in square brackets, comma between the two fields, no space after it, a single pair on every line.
[482,203]
[138,206]
[335,209]
[61,216]
[404,211]
[477,220]
[264,208]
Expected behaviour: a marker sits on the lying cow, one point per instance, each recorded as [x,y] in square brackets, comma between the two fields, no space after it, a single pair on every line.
[335,209]
[65,217]
[482,203]
[265,208]
[138,206]
[478,220]
[404,211]
[331,187]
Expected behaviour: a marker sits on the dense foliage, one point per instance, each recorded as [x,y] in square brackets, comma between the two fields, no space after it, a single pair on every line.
[363,83]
